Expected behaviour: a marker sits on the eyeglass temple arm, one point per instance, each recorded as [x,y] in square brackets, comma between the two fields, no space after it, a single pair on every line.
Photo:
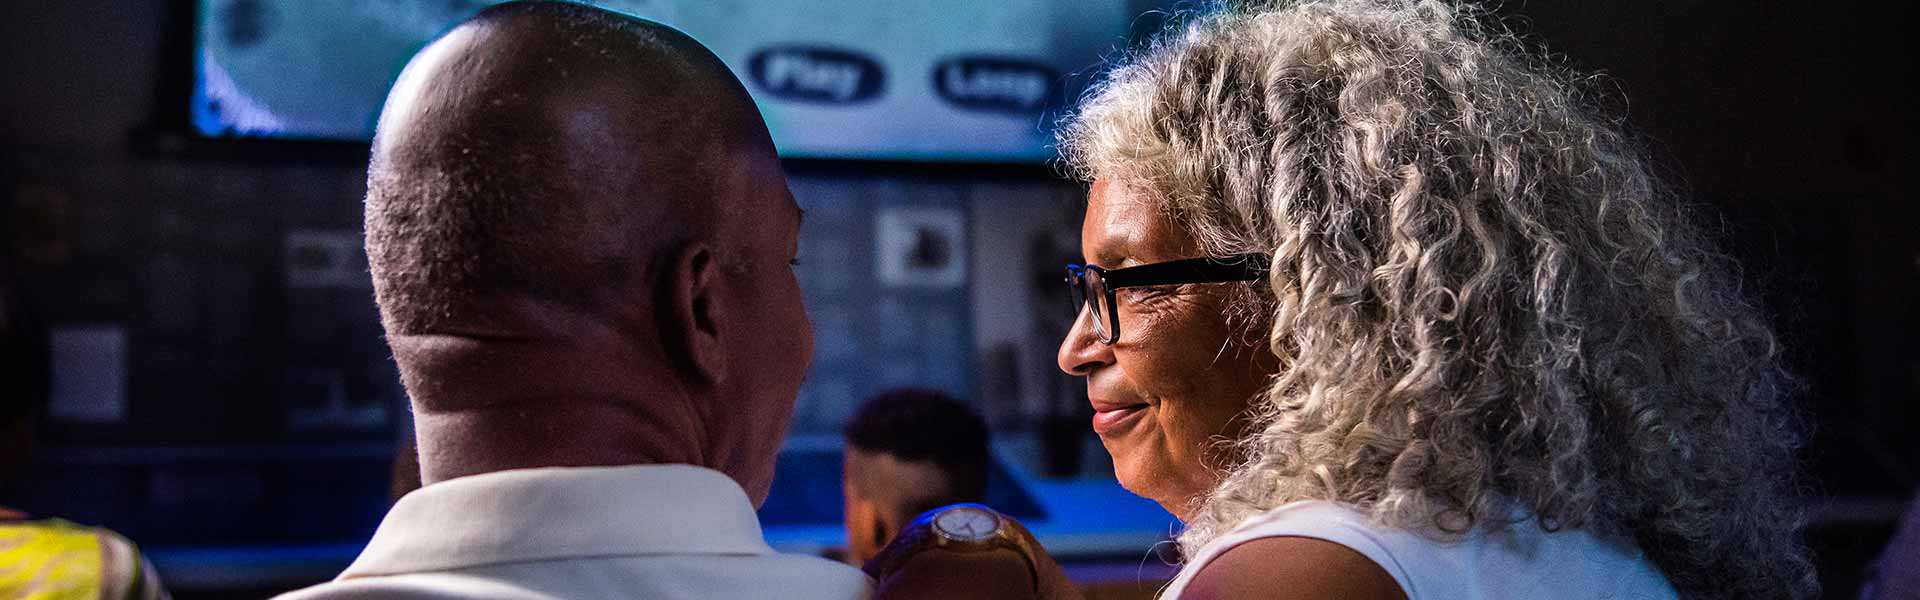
[1243,267]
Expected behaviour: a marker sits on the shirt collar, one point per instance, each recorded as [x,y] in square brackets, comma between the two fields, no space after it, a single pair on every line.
[562,512]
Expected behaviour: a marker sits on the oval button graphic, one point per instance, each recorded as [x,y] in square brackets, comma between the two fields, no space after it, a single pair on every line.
[816,74]
[997,84]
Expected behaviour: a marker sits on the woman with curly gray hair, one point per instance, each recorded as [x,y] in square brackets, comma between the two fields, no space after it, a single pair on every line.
[1485,354]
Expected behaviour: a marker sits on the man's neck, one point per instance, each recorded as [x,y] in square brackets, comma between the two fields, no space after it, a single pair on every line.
[490,404]
[472,442]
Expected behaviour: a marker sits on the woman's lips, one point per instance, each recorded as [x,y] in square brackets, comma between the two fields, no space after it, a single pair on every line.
[1111,417]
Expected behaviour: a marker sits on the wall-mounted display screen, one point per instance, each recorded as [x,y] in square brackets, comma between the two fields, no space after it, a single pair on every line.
[927,80]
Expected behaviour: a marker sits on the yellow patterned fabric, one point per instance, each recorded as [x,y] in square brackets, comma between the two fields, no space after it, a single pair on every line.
[49,560]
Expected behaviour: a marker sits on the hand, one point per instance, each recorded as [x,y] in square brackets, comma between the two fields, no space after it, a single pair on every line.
[913,567]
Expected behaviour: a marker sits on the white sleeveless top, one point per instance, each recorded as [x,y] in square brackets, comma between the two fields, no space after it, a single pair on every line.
[1518,560]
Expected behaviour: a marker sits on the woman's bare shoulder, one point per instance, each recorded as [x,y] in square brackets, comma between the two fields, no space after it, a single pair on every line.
[1285,568]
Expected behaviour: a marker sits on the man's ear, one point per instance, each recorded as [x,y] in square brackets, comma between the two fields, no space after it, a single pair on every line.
[864,521]
[890,520]
[691,323]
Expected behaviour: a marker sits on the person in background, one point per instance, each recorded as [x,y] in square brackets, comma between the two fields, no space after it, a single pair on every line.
[1380,307]
[44,557]
[581,244]
[908,451]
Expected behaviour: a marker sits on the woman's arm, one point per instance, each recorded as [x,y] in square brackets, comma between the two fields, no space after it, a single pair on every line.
[1289,568]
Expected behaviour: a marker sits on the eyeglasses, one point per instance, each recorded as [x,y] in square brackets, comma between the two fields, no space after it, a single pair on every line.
[1093,286]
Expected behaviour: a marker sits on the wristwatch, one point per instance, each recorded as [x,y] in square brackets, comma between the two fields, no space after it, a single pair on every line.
[961,528]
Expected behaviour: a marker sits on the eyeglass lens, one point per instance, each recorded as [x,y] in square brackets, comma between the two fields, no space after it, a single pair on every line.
[1090,295]
[1096,291]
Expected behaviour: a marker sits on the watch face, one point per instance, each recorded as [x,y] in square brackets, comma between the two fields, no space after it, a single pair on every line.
[966,523]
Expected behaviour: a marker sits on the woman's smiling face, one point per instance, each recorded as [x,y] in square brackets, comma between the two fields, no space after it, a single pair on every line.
[1172,391]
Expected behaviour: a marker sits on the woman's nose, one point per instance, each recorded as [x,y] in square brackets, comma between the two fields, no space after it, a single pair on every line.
[1081,352]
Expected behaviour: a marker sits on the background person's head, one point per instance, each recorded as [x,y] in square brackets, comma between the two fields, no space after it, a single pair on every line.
[1479,293]
[580,241]
[909,451]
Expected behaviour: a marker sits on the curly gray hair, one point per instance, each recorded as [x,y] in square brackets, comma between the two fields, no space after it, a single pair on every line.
[1480,292]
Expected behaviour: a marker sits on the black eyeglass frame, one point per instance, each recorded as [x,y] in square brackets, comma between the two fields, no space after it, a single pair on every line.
[1228,269]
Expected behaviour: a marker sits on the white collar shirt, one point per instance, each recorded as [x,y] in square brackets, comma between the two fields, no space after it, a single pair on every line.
[648,531]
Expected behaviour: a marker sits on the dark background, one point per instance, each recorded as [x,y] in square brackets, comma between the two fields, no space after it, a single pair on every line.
[1790,119]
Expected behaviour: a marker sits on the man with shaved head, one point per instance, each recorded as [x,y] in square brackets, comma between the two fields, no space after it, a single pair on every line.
[581,212]
[581,240]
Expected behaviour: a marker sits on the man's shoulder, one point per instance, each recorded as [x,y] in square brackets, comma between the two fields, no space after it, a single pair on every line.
[794,575]
[654,576]
[421,586]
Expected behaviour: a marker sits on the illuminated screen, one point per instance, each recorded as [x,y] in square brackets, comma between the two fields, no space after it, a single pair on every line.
[933,80]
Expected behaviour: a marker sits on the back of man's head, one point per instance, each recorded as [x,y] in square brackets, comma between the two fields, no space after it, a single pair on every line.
[577,230]
[909,451]
[541,150]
